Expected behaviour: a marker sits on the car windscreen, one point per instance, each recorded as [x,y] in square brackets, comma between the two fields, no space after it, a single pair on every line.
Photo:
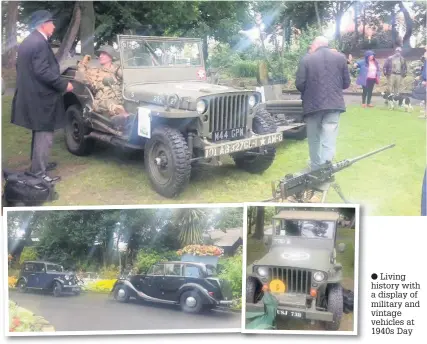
[53,268]
[306,229]
[151,53]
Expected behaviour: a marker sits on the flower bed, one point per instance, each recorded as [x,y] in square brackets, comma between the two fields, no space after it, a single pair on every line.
[11,281]
[201,250]
[100,286]
[22,320]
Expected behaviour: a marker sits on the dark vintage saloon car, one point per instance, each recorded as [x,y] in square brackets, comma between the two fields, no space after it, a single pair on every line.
[193,286]
[46,276]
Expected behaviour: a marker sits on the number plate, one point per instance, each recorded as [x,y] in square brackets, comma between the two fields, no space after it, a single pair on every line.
[242,145]
[291,314]
[228,134]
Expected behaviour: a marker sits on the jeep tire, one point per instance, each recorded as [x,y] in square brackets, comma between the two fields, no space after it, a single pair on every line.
[57,289]
[75,130]
[262,124]
[335,306]
[191,302]
[167,161]
[251,290]
[299,133]
[22,286]
[121,293]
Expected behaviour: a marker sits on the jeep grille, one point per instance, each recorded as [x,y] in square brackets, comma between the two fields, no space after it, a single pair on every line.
[296,280]
[228,112]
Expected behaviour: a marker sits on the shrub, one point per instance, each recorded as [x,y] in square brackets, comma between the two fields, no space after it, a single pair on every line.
[102,286]
[21,320]
[146,258]
[245,69]
[232,272]
[11,281]
[28,253]
[110,272]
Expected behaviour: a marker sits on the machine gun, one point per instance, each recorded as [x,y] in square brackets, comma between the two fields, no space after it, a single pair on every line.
[302,185]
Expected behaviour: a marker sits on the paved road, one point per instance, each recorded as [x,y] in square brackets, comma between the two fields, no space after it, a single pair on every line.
[99,312]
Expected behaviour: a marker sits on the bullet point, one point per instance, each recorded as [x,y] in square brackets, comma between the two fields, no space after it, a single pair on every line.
[374,276]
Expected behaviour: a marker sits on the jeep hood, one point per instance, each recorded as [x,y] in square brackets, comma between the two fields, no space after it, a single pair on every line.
[190,89]
[313,259]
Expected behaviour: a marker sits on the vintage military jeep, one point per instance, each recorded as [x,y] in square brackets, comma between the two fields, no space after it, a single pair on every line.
[193,286]
[180,119]
[45,276]
[300,268]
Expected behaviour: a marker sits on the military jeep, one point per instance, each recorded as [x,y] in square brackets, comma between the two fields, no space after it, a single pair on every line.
[300,268]
[179,119]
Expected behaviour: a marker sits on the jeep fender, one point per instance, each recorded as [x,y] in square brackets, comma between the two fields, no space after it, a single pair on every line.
[22,278]
[202,291]
[57,280]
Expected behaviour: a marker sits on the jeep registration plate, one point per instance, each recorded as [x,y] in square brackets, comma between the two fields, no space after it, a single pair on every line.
[291,314]
[242,145]
[229,134]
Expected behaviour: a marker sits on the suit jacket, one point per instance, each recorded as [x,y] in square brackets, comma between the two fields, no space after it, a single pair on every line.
[37,103]
[321,78]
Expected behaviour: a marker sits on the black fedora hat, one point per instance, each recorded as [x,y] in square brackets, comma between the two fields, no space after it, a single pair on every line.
[40,17]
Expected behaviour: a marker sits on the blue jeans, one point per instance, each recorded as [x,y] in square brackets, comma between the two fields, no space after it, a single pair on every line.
[322,132]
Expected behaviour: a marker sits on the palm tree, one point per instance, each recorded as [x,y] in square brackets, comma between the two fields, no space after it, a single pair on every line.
[190,223]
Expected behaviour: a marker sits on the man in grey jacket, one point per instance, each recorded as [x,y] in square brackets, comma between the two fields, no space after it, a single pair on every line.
[321,78]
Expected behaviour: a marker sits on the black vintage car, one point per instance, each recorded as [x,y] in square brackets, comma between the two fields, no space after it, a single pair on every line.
[194,286]
[46,276]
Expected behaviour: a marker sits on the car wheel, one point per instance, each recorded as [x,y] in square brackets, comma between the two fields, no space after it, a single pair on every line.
[75,131]
[121,294]
[167,161]
[191,302]
[262,124]
[22,286]
[299,133]
[335,306]
[252,290]
[57,289]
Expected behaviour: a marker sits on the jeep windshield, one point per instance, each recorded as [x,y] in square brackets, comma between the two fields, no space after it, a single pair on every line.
[305,229]
[54,268]
[138,52]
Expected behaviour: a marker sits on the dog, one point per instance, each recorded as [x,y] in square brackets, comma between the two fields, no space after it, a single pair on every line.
[397,100]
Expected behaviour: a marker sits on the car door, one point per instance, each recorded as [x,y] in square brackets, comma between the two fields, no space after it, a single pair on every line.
[151,284]
[35,279]
[29,274]
[172,281]
[192,273]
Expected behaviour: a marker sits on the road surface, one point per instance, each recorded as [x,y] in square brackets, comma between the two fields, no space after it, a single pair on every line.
[100,312]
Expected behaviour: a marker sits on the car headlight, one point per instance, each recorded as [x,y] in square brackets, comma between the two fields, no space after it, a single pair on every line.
[252,101]
[262,271]
[319,276]
[201,107]
[67,277]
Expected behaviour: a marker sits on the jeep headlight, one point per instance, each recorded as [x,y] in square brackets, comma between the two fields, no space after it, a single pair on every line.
[67,277]
[262,271]
[252,101]
[319,276]
[201,107]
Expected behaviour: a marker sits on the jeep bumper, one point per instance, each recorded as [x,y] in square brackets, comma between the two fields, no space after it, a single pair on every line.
[71,288]
[293,312]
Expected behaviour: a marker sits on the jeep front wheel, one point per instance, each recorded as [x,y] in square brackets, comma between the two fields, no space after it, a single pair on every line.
[75,131]
[167,161]
[299,133]
[262,157]
[335,306]
[121,294]
[251,290]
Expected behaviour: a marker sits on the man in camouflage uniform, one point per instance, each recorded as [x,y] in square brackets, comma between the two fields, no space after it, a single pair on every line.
[395,70]
[107,99]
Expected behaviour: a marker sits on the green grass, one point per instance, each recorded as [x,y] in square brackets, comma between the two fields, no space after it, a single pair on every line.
[387,184]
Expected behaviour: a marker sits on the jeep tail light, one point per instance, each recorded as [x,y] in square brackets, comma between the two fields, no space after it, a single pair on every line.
[313,292]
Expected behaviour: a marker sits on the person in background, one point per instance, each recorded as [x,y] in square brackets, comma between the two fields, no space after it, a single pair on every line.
[395,70]
[423,195]
[369,75]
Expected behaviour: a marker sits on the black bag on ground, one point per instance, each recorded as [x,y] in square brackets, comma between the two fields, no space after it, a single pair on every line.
[26,189]
[348,298]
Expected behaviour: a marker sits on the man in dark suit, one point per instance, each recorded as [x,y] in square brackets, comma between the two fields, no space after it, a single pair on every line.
[321,78]
[37,103]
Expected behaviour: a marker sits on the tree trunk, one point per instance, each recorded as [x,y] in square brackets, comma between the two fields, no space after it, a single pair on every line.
[356,26]
[87,28]
[259,226]
[71,33]
[393,29]
[319,22]
[409,26]
[364,26]
[11,42]
[205,48]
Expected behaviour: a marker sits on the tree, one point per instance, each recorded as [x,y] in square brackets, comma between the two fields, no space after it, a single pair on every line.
[87,27]
[71,33]
[229,218]
[11,39]
[191,223]
[338,9]
[259,225]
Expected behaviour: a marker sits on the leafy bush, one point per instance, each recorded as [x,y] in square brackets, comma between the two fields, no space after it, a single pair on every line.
[102,286]
[11,281]
[232,272]
[245,69]
[146,258]
[109,272]
[28,253]
[21,320]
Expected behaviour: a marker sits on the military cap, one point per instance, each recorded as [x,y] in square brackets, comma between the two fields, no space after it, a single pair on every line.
[40,17]
[108,49]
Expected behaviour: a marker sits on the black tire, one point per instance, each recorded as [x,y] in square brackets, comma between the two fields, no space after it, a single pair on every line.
[173,176]
[335,306]
[193,305]
[75,130]
[121,294]
[299,133]
[57,289]
[251,290]
[262,124]
[22,286]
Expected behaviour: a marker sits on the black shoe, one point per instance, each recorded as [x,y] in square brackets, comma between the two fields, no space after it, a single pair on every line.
[51,166]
